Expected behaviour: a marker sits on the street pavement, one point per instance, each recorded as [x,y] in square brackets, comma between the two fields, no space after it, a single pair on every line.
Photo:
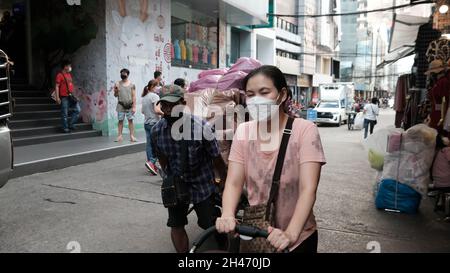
[115,206]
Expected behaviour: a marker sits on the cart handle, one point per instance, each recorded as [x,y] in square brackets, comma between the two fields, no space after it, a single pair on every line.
[240,229]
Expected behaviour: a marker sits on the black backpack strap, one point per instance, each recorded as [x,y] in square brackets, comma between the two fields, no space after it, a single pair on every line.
[280,162]
[67,83]
[184,153]
[184,157]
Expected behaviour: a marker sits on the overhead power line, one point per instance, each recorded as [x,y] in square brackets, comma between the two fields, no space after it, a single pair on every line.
[343,55]
[374,76]
[352,13]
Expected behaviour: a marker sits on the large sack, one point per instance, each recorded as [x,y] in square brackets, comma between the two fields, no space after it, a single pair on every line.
[411,163]
[213,105]
[246,65]
[232,80]
[378,141]
[207,82]
[198,102]
[359,121]
[213,72]
[222,103]
[396,196]
[376,160]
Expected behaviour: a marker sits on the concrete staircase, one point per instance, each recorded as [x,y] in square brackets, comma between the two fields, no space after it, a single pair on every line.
[37,119]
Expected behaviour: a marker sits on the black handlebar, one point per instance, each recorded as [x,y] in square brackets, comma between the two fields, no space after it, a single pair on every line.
[240,229]
[252,232]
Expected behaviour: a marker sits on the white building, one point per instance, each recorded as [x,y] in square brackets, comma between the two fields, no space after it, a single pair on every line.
[288,43]
[320,38]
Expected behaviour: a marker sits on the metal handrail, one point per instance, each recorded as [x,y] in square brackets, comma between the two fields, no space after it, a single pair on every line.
[6,66]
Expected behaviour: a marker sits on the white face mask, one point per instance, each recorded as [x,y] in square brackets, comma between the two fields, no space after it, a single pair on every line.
[261,108]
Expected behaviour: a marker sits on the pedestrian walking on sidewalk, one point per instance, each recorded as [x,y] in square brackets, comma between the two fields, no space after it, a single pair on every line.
[372,111]
[125,92]
[282,177]
[152,113]
[70,107]
[188,152]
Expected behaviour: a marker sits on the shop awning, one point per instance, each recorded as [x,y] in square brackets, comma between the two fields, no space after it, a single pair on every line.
[245,13]
[234,12]
[396,55]
[405,30]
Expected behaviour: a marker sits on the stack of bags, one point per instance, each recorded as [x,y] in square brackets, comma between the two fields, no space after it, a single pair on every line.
[225,79]
[404,165]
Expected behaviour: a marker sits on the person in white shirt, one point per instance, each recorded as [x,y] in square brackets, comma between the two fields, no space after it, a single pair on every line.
[371,112]
[152,113]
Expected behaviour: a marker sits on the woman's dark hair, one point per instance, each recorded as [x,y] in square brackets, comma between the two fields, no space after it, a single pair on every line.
[157,74]
[277,77]
[180,82]
[151,84]
[126,71]
[65,63]
[375,100]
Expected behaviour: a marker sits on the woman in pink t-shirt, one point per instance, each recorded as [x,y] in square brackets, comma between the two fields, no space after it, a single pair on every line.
[253,158]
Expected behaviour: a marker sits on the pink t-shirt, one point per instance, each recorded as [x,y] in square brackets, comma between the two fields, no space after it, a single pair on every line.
[305,145]
[441,169]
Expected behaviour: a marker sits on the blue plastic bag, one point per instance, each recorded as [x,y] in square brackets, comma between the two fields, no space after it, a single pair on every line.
[396,196]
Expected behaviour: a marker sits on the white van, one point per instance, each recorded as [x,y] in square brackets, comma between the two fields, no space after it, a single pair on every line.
[336,101]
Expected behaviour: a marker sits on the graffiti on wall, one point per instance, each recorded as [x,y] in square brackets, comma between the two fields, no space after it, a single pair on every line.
[137,39]
[89,71]
[222,44]
[143,16]
[94,106]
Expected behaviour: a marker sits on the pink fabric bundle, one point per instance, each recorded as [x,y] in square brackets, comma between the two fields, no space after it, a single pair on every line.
[246,65]
[225,79]
[232,80]
[210,81]
[213,72]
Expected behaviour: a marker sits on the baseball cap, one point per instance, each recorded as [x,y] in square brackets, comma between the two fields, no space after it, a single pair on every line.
[171,94]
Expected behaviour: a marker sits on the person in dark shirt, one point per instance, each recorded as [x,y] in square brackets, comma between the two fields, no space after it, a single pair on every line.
[203,156]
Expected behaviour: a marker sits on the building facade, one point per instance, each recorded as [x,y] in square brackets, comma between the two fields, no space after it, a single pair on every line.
[288,44]
[180,38]
[320,38]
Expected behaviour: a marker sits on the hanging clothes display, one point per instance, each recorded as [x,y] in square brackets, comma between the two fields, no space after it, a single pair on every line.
[195,53]
[205,55]
[177,50]
[183,51]
[439,105]
[425,36]
[400,99]
[189,56]
[413,102]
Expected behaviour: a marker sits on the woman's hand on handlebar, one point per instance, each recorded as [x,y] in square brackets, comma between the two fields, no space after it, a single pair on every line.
[279,239]
[226,224]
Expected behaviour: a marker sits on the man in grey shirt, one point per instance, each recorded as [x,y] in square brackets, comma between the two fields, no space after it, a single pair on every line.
[125,92]
[152,113]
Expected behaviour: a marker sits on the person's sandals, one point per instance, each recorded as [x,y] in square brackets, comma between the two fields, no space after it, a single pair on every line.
[119,139]
[133,139]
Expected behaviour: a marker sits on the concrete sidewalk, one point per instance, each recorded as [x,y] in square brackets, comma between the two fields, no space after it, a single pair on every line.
[47,157]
